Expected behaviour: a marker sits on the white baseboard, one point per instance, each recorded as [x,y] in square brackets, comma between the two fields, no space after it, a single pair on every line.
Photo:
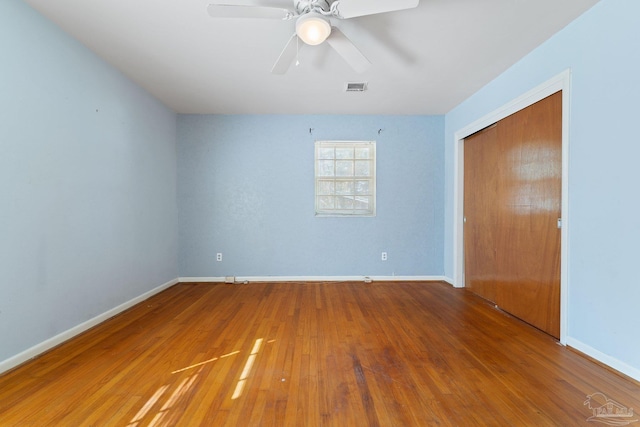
[604,358]
[38,349]
[449,280]
[241,279]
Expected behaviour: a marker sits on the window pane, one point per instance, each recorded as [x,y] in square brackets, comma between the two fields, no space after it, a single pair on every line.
[362,202]
[325,153]
[363,153]
[344,153]
[363,187]
[344,202]
[363,168]
[326,187]
[344,187]
[344,168]
[325,168]
[326,202]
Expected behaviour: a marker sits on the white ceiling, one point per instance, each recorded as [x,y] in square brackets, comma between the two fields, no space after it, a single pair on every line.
[425,60]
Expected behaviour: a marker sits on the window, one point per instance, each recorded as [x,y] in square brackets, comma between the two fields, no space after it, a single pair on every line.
[345,178]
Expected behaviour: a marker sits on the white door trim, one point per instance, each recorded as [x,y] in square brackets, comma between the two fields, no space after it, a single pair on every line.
[560,82]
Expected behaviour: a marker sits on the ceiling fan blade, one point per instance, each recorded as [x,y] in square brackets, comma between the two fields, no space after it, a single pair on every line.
[348,51]
[353,8]
[287,56]
[245,11]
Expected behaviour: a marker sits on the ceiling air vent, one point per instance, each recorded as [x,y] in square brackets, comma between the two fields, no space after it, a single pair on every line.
[356,87]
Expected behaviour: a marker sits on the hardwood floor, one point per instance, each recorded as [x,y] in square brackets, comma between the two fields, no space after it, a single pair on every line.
[307,354]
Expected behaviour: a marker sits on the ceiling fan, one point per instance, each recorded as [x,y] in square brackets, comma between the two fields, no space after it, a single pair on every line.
[313,25]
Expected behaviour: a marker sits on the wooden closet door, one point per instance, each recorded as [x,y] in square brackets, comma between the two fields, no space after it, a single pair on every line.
[512,200]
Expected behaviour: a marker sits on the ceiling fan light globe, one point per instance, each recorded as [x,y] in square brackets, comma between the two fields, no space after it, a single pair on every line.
[313,28]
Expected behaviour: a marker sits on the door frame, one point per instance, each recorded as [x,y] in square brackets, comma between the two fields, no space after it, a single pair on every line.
[561,82]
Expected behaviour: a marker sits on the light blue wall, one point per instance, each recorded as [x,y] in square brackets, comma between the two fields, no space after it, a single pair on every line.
[601,48]
[246,189]
[88,214]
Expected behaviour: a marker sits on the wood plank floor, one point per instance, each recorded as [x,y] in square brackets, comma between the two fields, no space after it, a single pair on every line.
[310,354]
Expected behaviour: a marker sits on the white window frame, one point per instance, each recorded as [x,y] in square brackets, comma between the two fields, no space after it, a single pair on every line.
[321,180]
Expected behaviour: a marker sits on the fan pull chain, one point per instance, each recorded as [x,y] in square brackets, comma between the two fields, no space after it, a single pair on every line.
[297,51]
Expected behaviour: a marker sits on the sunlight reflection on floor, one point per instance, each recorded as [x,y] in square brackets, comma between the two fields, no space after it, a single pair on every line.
[247,369]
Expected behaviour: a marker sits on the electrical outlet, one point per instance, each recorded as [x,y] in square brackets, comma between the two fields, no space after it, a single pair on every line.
[219,256]
[383,257]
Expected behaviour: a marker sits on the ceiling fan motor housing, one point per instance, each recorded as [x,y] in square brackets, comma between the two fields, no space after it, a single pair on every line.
[306,6]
